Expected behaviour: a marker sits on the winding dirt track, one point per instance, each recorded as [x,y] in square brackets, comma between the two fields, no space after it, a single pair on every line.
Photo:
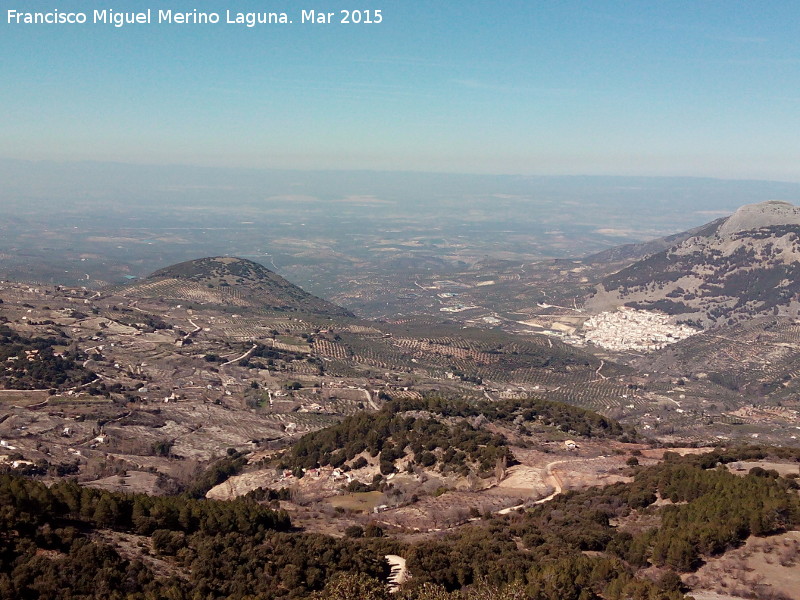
[557,486]
[399,572]
[554,478]
[242,357]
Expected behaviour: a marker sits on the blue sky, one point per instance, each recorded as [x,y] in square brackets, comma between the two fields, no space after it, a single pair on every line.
[706,88]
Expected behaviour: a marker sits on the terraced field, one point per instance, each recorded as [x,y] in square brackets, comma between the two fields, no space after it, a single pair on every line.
[188,291]
[760,358]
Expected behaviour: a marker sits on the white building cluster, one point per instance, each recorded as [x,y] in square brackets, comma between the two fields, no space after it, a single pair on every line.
[630,329]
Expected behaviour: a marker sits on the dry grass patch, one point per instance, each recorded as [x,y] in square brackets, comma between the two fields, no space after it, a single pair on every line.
[361,501]
[764,568]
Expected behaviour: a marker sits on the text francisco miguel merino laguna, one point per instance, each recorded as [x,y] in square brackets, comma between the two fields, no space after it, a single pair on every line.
[193,17]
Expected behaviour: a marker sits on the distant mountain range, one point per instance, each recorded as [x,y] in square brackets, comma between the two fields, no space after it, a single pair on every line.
[731,269]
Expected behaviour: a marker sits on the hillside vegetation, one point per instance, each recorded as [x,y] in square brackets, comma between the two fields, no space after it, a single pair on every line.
[31,363]
[441,432]
[48,547]
[51,542]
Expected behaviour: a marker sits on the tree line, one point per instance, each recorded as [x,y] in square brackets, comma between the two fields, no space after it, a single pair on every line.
[237,549]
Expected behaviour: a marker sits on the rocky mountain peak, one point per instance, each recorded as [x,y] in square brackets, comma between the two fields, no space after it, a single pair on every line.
[763,214]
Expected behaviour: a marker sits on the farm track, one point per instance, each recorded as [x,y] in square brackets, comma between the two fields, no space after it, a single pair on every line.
[556,480]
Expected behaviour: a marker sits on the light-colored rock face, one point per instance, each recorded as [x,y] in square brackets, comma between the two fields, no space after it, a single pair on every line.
[764,214]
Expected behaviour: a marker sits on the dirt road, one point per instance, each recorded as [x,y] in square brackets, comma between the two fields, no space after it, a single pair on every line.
[555,482]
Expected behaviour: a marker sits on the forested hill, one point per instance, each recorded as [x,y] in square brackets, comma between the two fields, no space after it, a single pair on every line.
[444,432]
[576,547]
[705,511]
[51,548]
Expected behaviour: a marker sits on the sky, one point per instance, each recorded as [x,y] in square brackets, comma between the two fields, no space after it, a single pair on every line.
[705,88]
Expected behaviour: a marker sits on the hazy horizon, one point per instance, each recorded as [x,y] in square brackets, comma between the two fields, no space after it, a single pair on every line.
[97,222]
